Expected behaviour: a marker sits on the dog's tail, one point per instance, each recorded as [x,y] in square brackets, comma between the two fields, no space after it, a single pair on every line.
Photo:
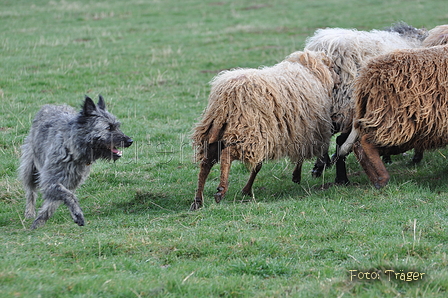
[28,176]
[27,167]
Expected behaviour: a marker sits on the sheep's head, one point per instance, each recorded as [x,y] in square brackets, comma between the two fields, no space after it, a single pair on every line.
[436,36]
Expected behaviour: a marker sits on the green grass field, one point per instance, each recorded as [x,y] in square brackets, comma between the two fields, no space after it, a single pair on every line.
[152,61]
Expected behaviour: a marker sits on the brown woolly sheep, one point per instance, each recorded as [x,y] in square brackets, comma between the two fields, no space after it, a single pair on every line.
[268,113]
[350,49]
[401,103]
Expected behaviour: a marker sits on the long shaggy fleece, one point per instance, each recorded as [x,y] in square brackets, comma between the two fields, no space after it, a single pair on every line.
[271,112]
[350,49]
[402,99]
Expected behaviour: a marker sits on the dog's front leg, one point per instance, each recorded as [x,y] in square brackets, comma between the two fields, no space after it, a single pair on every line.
[54,195]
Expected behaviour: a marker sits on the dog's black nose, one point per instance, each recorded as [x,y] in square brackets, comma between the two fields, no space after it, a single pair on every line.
[129,142]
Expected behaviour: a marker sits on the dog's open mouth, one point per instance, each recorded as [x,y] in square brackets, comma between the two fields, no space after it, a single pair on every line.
[116,153]
[111,151]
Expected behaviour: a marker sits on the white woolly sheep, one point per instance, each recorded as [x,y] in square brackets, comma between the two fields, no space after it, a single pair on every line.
[436,36]
[350,49]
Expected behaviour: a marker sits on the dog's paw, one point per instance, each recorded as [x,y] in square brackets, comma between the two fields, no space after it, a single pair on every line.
[38,223]
[30,214]
[80,220]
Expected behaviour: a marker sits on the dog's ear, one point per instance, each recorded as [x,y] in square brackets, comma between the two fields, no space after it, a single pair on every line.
[101,104]
[89,107]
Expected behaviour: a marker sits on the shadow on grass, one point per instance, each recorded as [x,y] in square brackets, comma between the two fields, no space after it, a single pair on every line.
[142,202]
[427,174]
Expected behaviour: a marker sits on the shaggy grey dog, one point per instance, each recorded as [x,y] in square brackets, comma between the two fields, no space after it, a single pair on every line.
[58,153]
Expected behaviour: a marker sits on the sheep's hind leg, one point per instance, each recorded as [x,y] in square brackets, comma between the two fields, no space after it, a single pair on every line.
[247,190]
[211,158]
[226,161]
[370,160]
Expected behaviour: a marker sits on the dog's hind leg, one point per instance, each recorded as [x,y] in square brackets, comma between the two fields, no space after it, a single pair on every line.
[45,212]
[53,196]
[31,196]
[211,158]
[247,190]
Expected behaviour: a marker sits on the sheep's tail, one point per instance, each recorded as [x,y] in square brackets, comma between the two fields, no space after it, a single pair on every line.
[215,133]
[348,144]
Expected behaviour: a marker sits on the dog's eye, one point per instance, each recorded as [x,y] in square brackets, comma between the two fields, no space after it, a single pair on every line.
[110,127]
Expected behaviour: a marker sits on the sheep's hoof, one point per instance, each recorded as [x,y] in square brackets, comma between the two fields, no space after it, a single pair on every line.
[333,159]
[219,195]
[195,206]
[325,186]
[387,159]
[296,179]
[246,192]
[380,183]
[341,181]
[316,172]
[416,159]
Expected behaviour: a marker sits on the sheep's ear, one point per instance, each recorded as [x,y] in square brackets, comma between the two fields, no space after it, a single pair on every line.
[88,107]
[101,103]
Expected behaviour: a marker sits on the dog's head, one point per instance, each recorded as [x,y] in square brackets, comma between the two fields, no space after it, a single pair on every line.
[102,130]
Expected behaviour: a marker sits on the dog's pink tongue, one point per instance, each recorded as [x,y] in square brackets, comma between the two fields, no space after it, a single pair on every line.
[116,151]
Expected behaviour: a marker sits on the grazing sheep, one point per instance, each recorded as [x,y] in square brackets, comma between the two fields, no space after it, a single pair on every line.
[268,113]
[436,36]
[350,49]
[401,103]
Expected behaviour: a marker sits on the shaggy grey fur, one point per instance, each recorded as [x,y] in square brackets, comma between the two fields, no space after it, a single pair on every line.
[58,153]
[408,31]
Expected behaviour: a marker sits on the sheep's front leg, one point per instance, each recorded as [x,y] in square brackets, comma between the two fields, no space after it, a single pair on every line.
[369,158]
[418,156]
[211,157]
[297,173]
[247,190]
[341,169]
[321,164]
[226,161]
